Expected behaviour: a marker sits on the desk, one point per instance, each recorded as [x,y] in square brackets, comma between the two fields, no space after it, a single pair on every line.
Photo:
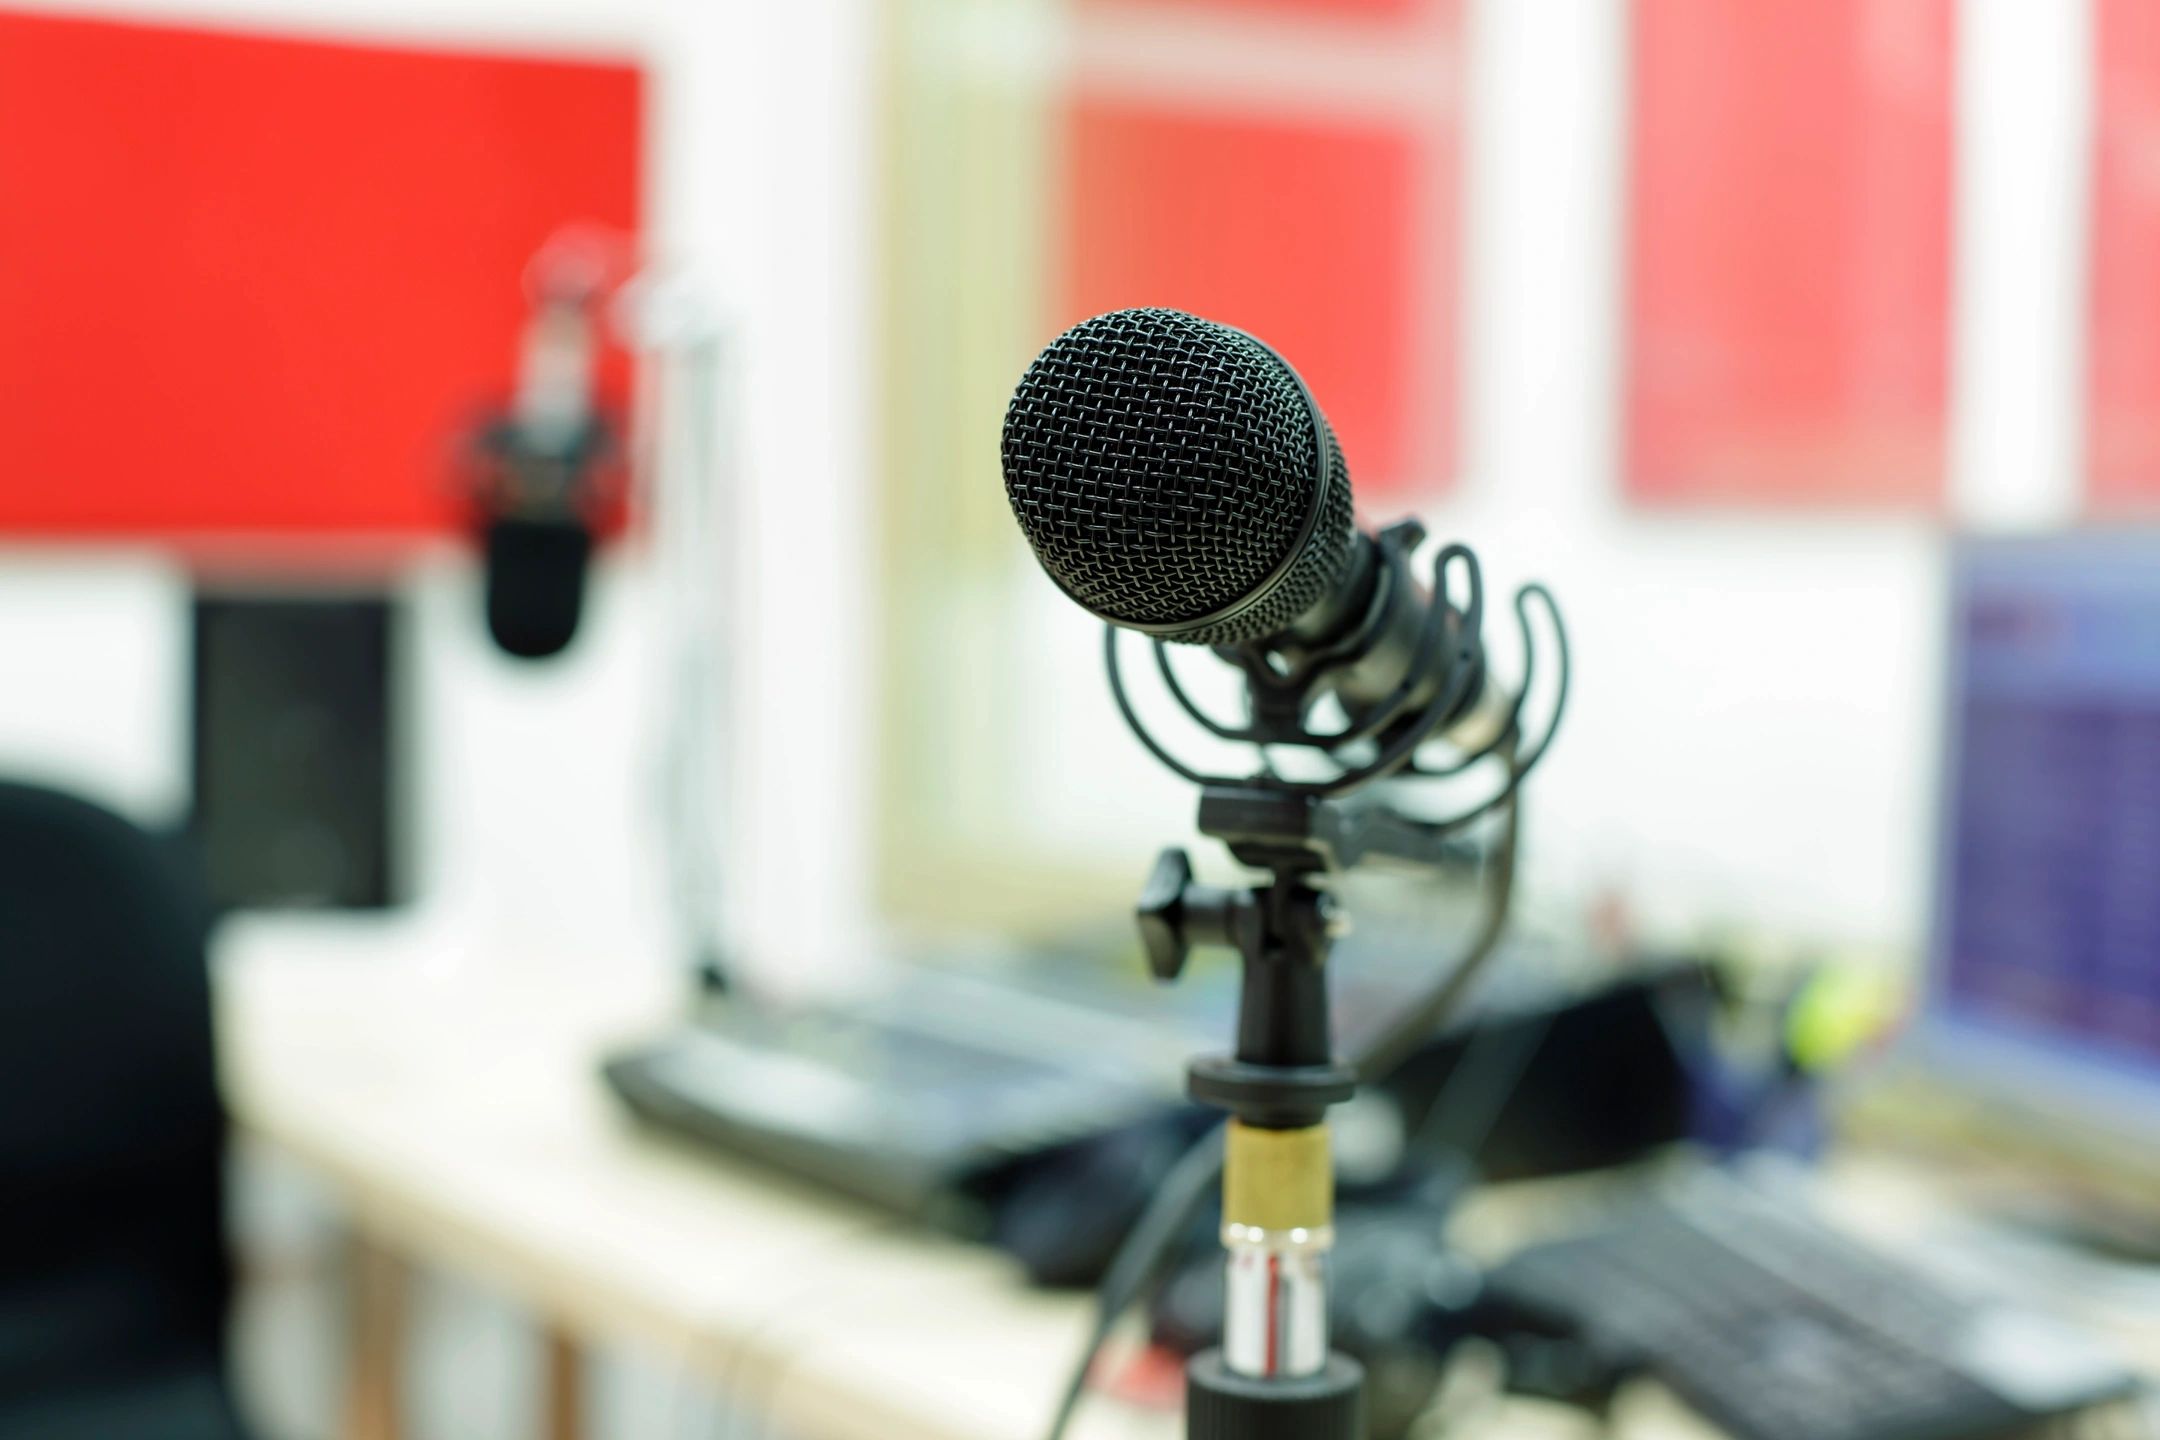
[463,1127]
[461,1122]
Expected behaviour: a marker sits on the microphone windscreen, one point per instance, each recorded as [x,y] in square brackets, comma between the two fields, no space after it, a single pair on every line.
[535,584]
[1172,474]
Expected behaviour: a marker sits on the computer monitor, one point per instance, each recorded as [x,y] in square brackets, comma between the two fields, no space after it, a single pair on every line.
[2043,985]
[295,752]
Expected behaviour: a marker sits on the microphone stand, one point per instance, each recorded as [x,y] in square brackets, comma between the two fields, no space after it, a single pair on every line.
[1274,1374]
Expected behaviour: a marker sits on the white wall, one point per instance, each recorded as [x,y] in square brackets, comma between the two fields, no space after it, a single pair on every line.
[1751,737]
[93,682]
[1751,734]
[765,187]
[1754,739]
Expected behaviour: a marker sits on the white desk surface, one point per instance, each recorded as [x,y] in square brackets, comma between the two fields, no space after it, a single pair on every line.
[464,1126]
[462,1122]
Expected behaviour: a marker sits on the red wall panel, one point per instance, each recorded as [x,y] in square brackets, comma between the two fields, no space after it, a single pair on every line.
[1304,232]
[253,284]
[2123,379]
[1788,251]
[1325,9]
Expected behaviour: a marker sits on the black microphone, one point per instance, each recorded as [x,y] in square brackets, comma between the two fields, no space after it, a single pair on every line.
[1174,476]
[537,544]
[539,492]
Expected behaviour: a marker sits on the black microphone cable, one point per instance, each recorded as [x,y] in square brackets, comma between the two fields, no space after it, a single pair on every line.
[1138,1267]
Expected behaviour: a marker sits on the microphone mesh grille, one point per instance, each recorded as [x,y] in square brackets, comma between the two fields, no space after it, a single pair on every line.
[1162,467]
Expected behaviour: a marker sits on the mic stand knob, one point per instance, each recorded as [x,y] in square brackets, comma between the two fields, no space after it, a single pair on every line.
[1174,914]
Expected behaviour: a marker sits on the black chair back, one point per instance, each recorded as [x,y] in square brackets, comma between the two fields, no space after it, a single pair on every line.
[113,1258]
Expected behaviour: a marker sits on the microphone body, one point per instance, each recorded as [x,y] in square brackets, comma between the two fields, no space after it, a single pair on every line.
[535,584]
[1174,476]
[538,496]
[536,520]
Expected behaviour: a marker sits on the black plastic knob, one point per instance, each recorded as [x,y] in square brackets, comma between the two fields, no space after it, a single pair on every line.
[1161,914]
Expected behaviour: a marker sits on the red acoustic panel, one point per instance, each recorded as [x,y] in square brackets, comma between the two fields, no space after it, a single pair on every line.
[1323,9]
[1789,248]
[2123,416]
[253,284]
[1301,232]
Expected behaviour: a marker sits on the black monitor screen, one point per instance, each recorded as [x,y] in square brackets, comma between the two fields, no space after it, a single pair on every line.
[293,755]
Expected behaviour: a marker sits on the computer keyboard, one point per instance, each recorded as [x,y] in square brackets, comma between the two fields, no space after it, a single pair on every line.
[1778,1327]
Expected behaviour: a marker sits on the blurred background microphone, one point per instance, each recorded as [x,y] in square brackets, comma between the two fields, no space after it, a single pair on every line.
[543,469]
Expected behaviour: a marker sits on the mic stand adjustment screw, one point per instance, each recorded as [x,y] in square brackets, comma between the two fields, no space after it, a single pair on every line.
[1175,914]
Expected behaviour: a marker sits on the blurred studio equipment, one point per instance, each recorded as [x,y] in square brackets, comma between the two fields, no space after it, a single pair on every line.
[2042,997]
[544,475]
[115,1283]
[1770,1322]
[295,751]
[2036,1024]
[1175,477]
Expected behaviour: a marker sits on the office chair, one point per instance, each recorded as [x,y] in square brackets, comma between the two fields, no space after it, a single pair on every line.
[115,1280]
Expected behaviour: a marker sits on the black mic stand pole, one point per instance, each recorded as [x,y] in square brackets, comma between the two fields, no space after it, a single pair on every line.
[1274,1374]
